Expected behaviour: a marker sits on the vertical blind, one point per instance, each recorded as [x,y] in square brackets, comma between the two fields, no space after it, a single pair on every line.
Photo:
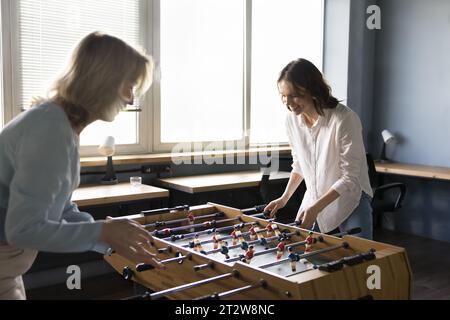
[48,31]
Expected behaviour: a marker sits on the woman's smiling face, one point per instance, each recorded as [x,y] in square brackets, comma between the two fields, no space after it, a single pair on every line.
[298,100]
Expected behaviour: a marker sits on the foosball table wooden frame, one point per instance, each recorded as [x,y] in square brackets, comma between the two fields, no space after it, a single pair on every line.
[193,275]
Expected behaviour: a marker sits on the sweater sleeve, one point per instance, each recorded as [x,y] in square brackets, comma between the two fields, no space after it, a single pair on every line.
[41,183]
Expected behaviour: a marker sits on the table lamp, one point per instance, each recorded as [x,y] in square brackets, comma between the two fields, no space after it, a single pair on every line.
[388,138]
[107,149]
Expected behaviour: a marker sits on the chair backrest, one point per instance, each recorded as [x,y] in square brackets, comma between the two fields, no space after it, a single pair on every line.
[372,170]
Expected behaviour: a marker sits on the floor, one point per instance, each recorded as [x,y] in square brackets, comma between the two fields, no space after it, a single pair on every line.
[430,264]
[429,259]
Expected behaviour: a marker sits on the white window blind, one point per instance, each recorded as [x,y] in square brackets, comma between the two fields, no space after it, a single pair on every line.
[48,30]
[282,31]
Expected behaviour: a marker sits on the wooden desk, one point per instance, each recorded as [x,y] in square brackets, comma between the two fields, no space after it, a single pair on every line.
[220,181]
[92,195]
[414,170]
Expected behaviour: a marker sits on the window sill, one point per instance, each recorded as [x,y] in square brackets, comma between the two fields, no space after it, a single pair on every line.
[162,158]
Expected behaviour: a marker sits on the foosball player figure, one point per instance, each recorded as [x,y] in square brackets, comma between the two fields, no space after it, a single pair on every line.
[166,232]
[293,259]
[197,244]
[269,230]
[234,236]
[224,249]
[275,229]
[249,254]
[240,236]
[281,247]
[191,220]
[309,242]
[216,240]
[253,231]
[244,246]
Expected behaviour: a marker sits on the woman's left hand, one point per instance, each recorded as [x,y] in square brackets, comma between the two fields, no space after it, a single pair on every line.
[308,217]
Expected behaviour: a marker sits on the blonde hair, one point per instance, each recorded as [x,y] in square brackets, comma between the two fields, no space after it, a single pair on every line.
[90,86]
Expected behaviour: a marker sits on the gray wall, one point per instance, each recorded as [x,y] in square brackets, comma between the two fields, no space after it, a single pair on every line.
[336,45]
[361,65]
[412,99]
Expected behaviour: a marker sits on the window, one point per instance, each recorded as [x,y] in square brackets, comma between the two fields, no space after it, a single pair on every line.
[205,50]
[202,63]
[47,32]
[295,31]
[218,62]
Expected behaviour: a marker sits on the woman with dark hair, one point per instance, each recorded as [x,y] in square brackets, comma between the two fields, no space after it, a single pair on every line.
[328,153]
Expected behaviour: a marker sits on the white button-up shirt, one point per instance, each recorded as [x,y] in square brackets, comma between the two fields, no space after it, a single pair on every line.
[330,155]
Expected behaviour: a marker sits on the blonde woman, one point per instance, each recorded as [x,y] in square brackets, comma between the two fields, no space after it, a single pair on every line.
[39,157]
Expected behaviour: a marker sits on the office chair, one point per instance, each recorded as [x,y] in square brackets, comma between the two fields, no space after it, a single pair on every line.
[380,202]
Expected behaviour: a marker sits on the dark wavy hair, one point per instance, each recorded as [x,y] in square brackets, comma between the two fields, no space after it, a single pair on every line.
[302,73]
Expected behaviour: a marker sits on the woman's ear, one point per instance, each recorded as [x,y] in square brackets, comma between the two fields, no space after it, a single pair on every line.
[126,92]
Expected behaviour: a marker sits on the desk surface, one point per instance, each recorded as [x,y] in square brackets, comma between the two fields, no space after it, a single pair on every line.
[414,170]
[100,195]
[220,181]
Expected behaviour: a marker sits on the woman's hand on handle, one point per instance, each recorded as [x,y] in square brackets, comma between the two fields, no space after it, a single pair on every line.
[275,205]
[308,217]
[130,240]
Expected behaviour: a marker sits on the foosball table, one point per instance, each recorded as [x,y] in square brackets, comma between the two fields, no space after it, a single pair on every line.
[217,252]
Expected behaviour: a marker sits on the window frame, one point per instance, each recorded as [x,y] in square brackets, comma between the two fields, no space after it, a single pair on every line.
[149,124]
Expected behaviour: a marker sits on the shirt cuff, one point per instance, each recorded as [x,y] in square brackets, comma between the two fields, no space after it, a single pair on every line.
[340,187]
[103,248]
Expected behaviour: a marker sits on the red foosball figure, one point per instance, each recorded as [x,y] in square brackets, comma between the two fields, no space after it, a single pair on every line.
[269,229]
[216,240]
[309,242]
[275,229]
[252,232]
[249,254]
[280,249]
[191,220]
[234,236]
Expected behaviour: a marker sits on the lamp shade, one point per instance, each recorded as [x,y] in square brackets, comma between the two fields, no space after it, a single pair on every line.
[107,148]
[388,137]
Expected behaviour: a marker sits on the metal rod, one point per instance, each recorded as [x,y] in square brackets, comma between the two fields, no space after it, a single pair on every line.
[165,210]
[209,231]
[260,253]
[229,237]
[199,225]
[218,296]
[254,210]
[171,222]
[269,240]
[188,286]
[304,256]
[260,284]
[141,267]
[209,265]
